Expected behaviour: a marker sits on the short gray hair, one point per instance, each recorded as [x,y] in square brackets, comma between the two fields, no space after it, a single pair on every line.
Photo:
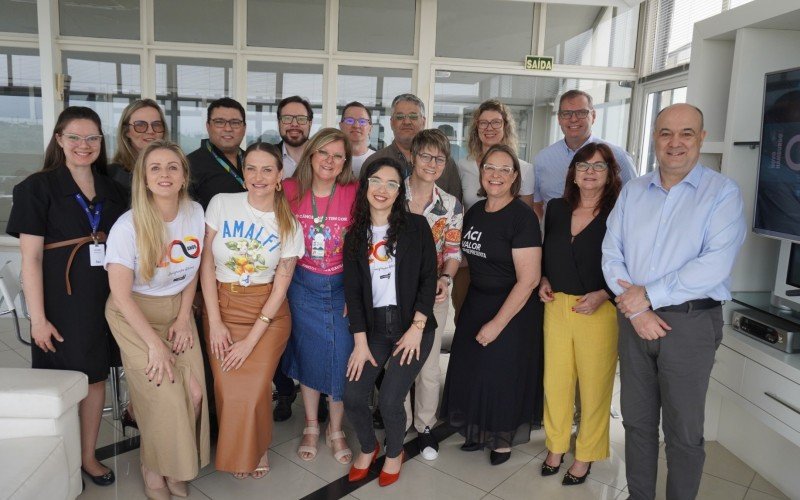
[409,98]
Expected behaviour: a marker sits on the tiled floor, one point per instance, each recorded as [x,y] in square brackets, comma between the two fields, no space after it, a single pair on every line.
[455,474]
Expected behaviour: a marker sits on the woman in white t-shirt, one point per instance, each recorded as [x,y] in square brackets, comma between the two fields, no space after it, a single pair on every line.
[153,257]
[252,244]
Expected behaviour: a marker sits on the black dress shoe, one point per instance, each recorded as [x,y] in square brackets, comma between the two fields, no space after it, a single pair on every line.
[499,457]
[102,480]
[571,480]
[471,446]
[283,409]
[549,470]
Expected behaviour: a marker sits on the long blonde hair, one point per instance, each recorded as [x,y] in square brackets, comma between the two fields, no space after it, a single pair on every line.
[304,174]
[126,154]
[509,128]
[151,231]
[287,224]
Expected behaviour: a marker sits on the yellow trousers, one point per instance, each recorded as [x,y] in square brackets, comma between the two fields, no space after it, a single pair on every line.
[584,348]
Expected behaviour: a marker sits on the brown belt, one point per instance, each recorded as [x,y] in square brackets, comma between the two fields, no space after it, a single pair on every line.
[237,288]
[78,243]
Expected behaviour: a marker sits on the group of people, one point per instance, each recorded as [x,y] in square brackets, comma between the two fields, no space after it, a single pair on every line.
[323,261]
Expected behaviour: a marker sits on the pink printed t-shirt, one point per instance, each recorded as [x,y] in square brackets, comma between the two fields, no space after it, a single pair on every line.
[333,230]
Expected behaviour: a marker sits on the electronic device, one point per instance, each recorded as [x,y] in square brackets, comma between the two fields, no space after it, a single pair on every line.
[777,211]
[771,330]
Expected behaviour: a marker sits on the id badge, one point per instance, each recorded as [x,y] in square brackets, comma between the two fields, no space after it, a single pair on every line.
[97,254]
[318,246]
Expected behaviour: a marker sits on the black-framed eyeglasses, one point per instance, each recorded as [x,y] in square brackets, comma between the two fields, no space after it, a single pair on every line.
[222,122]
[407,116]
[391,186]
[599,166]
[567,114]
[426,158]
[141,126]
[300,119]
[361,122]
[495,124]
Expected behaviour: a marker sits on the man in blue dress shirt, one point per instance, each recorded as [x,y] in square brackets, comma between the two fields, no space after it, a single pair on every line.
[576,116]
[668,252]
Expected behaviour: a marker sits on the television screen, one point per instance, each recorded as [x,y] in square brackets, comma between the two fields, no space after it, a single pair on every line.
[777,211]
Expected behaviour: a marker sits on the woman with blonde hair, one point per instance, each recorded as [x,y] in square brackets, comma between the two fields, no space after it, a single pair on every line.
[152,258]
[141,123]
[252,244]
[321,194]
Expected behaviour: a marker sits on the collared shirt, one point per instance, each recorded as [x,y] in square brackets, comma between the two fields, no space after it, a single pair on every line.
[681,243]
[289,165]
[450,181]
[208,177]
[551,164]
[445,215]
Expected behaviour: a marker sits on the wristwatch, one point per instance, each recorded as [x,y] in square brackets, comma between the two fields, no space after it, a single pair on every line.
[420,323]
[448,277]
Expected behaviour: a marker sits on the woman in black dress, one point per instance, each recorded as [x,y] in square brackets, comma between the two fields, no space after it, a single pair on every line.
[61,216]
[493,390]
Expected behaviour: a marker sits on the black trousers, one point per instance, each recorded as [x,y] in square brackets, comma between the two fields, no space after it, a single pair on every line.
[396,383]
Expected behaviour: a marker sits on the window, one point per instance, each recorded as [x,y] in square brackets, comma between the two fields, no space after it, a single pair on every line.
[194,22]
[377,26]
[375,88]
[293,24]
[477,29]
[100,18]
[592,36]
[656,101]
[21,151]
[18,18]
[267,84]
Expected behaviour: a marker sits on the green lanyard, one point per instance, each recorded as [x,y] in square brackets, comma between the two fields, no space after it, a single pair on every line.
[319,223]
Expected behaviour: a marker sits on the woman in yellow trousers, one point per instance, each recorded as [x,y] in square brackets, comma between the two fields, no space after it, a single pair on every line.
[580,321]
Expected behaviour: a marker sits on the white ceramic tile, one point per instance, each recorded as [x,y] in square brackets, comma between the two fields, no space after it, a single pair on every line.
[418,481]
[285,480]
[324,465]
[758,495]
[711,487]
[764,486]
[725,465]
[11,359]
[527,480]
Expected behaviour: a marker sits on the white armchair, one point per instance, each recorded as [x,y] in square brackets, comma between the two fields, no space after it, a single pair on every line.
[40,450]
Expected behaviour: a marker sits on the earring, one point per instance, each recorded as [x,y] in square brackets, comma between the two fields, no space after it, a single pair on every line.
[278,187]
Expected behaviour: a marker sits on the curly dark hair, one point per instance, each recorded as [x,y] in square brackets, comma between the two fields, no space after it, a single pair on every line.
[613,182]
[359,234]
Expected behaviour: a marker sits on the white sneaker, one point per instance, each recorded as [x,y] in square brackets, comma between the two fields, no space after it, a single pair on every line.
[429,445]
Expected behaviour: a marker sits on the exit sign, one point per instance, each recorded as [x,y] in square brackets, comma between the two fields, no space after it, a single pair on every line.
[542,63]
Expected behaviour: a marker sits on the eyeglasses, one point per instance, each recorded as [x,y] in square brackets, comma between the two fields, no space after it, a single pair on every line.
[157,126]
[495,124]
[391,186]
[361,122]
[426,158]
[410,116]
[568,114]
[222,122]
[336,157]
[300,119]
[583,166]
[491,169]
[91,140]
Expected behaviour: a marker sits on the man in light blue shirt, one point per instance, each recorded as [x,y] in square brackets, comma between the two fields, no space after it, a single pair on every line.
[670,245]
[576,116]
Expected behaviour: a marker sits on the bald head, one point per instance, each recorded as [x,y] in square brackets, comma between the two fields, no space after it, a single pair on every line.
[678,136]
[682,107]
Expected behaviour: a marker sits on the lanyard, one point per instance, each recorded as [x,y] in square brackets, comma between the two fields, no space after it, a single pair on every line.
[93,216]
[225,165]
[319,223]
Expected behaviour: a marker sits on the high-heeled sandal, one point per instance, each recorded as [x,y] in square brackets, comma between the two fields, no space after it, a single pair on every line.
[127,420]
[549,470]
[311,450]
[357,474]
[571,480]
[344,452]
[261,470]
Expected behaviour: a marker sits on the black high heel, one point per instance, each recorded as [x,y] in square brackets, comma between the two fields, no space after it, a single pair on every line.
[128,421]
[471,446]
[549,470]
[572,480]
[499,457]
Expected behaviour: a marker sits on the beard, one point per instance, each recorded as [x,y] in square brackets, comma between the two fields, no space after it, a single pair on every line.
[295,143]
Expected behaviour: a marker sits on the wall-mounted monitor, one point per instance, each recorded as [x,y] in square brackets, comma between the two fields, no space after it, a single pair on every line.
[777,211]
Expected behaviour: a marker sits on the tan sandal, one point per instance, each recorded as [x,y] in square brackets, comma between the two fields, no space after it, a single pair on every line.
[344,452]
[262,469]
[310,450]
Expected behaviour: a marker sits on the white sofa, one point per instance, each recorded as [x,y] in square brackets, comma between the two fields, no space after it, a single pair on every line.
[40,451]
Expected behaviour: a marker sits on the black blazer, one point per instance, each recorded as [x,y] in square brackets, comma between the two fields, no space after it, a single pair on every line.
[415,278]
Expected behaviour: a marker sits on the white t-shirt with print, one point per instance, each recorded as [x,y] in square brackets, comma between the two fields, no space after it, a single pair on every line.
[247,246]
[181,261]
[382,269]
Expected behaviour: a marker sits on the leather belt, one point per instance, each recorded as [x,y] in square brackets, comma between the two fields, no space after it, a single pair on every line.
[250,289]
[691,305]
[77,243]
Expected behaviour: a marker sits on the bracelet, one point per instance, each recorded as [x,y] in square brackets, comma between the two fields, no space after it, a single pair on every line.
[420,323]
[636,314]
[264,319]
